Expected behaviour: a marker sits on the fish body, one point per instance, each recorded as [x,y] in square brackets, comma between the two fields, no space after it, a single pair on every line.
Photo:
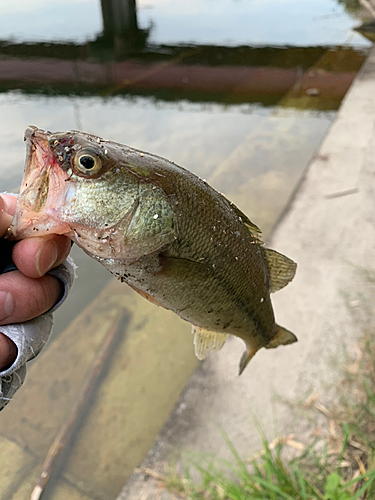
[161,229]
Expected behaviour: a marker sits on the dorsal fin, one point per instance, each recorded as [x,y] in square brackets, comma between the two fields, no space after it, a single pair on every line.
[206,342]
[281,269]
[253,229]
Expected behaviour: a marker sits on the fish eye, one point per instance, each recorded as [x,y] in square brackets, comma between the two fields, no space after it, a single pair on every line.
[88,162]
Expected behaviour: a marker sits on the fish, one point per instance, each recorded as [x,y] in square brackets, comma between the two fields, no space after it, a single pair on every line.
[159,228]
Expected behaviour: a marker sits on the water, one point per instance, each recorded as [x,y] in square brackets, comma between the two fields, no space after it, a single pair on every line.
[257,22]
[226,22]
[250,142]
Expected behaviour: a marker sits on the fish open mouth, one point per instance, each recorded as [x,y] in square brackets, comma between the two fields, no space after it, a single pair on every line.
[41,192]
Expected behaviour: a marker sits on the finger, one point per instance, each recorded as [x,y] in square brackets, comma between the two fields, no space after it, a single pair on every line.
[23,298]
[8,352]
[36,256]
[7,209]
[10,201]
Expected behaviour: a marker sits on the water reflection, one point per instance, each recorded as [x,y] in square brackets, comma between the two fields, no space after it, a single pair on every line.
[123,58]
[225,22]
[239,116]
[205,73]
[45,20]
[274,22]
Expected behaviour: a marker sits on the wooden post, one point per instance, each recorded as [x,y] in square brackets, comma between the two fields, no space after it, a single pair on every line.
[119,17]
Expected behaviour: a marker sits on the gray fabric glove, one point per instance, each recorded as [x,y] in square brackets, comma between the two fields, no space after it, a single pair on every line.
[30,337]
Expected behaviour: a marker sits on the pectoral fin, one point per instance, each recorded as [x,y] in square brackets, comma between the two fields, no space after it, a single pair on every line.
[183,269]
[146,296]
[281,269]
[206,342]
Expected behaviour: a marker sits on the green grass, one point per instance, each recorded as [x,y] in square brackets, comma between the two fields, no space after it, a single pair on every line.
[271,477]
[339,465]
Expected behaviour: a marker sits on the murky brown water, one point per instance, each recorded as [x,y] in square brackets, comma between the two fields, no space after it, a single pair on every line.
[248,119]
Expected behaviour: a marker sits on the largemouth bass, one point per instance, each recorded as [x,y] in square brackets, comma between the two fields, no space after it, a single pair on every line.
[159,228]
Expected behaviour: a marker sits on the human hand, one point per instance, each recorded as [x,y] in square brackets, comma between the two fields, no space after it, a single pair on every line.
[28,292]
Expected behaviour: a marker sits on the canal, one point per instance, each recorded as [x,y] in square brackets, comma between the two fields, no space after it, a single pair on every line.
[240,92]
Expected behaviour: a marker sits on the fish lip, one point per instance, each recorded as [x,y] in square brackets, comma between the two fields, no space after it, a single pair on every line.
[37,145]
[35,187]
[29,133]
[33,134]
[36,137]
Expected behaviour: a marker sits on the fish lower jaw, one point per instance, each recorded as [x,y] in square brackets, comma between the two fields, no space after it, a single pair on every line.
[28,225]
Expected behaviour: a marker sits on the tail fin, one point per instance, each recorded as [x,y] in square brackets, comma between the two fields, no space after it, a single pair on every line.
[245,358]
[282,337]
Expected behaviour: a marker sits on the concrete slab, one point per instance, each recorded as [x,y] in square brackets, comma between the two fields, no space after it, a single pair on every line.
[329,230]
[114,429]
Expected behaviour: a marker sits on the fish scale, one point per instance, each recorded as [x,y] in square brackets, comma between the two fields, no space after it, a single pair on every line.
[219,247]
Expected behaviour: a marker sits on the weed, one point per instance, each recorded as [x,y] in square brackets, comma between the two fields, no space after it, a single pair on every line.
[337,465]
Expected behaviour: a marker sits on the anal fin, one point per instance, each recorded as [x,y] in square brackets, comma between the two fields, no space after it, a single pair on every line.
[282,337]
[206,342]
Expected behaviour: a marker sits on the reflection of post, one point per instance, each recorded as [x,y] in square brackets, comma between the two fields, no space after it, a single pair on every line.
[119,17]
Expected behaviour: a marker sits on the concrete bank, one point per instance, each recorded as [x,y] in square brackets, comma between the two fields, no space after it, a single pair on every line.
[329,230]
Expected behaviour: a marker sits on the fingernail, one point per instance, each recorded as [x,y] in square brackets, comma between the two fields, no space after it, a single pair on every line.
[46,257]
[5,205]
[6,305]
